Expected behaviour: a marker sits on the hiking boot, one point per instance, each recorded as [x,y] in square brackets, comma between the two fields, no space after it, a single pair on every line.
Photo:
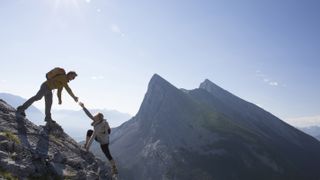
[84,146]
[114,169]
[20,111]
[49,120]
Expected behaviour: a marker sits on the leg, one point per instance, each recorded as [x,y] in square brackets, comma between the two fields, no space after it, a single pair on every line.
[89,134]
[106,151]
[37,97]
[48,105]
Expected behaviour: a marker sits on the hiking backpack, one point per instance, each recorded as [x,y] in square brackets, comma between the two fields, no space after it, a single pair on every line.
[55,72]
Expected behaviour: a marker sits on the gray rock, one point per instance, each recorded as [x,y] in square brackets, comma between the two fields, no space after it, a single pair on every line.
[29,151]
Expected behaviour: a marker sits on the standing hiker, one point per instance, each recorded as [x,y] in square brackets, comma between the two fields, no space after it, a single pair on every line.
[57,78]
[101,134]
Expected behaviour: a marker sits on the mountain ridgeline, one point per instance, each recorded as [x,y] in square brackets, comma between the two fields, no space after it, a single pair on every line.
[209,133]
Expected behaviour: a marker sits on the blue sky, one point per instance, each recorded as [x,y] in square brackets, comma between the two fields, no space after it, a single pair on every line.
[266,52]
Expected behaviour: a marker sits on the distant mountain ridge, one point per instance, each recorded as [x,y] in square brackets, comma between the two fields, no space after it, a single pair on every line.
[312,131]
[209,133]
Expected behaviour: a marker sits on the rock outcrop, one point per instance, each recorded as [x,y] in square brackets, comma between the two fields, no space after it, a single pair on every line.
[28,151]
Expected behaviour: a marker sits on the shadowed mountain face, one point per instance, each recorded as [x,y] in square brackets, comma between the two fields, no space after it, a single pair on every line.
[28,151]
[208,133]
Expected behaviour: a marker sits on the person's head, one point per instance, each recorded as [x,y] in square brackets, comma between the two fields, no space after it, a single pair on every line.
[71,75]
[98,117]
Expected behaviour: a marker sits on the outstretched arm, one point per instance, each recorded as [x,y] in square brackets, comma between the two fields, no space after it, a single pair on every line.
[71,93]
[86,111]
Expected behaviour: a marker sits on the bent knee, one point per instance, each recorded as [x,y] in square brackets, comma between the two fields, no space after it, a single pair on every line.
[89,133]
[37,97]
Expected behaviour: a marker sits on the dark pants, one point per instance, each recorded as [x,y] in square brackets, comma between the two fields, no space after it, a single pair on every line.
[47,93]
[104,147]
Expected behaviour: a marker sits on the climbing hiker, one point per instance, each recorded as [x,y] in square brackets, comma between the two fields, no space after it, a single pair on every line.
[100,134]
[57,78]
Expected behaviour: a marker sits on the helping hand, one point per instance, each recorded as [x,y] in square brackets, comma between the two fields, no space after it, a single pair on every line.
[81,104]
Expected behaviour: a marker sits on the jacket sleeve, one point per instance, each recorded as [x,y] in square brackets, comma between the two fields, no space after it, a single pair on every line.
[69,91]
[59,93]
[91,140]
[87,113]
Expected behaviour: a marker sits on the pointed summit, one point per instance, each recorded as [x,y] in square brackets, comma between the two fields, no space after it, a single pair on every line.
[223,95]
[159,82]
[207,81]
[158,89]
[214,89]
[209,85]
[156,77]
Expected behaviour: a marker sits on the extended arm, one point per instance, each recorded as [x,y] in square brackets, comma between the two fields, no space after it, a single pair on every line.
[70,92]
[86,110]
[88,113]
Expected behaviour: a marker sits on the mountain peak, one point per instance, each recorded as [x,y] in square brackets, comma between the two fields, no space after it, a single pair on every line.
[207,84]
[159,92]
[212,87]
[157,80]
[159,85]
[207,81]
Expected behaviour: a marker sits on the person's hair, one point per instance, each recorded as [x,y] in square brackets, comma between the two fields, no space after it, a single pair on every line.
[100,115]
[72,72]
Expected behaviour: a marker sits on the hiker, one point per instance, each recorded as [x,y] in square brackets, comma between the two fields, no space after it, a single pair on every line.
[101,134]
[57,78]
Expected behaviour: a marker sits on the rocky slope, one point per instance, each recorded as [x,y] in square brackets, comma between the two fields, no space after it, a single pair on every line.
[28,151]
[36,116]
